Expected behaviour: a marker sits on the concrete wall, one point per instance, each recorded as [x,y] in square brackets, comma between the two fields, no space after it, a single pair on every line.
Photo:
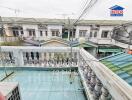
[7,30]
[50,27]
[25,27]
[82,28]
[105,28]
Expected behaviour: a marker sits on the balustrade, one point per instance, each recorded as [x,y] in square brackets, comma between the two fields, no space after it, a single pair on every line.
[36,56]
[98,78]
[100,81]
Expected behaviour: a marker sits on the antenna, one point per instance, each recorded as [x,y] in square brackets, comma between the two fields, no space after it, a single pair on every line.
[12,9]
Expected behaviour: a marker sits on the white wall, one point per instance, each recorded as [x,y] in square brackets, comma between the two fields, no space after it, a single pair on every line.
[129,28]
[25,27]
[82,28]
[100,40]
[7,30]
[103,28]
[49,27]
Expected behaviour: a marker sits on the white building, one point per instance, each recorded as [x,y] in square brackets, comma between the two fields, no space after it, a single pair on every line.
[41,28]
[97,32]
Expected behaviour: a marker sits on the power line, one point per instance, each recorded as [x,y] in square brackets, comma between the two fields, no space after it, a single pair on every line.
[12,9]
[83,7]
[89,5]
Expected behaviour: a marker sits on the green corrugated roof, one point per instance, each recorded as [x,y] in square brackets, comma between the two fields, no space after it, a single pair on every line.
[109,50]
[121,64]
[83,45]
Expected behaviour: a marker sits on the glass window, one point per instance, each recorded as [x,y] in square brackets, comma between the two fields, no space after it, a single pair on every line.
[104,34]
[82,33]
[90,34]
[57,33]
[53,33]
[30,33]
[41,33]
[22,32]
[46,33]
[15,33]
[95,34]
[33,32]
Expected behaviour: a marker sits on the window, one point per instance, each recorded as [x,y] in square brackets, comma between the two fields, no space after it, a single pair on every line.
[46,33]
[95,34]
[15,33]
[41,33]
[31,32]
[55,32]
[104,34]
[22,33]
[90,34]
[82,33]
[1,32]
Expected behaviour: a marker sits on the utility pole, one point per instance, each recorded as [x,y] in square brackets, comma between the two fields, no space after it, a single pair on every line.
[1,55]
[69,28]
[1,27]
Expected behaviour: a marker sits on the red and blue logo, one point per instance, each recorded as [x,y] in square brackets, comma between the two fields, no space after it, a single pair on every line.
[116,11]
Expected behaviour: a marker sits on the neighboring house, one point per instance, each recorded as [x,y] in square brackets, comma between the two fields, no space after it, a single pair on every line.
[98,32]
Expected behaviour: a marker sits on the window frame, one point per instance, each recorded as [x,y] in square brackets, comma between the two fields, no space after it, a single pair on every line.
[82,33]
[104,35]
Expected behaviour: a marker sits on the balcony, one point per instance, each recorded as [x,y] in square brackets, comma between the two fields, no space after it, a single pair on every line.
[99,82]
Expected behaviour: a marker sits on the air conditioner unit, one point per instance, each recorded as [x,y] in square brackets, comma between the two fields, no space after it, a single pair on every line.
[9,91]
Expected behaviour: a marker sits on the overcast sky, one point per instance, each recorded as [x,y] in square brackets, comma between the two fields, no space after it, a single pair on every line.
[54,8]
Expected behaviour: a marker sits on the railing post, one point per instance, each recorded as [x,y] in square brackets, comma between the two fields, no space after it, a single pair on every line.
[105,94]
[89,75]
[92,82]
[97,89]
[19,61]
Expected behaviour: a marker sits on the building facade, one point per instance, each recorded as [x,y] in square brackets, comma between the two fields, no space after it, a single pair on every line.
[95,32]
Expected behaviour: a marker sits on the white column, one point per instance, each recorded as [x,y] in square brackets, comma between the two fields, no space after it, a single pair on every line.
[47,56]
[92,81]
[89,75]
[42,56]
[18,54]
[29,54]
[97,89]
[35,55]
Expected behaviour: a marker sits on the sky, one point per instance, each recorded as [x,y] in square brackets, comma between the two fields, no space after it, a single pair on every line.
[57,9]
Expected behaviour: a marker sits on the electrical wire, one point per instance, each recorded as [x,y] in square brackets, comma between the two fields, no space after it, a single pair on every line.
[83,7]
[10,8]
[89,5]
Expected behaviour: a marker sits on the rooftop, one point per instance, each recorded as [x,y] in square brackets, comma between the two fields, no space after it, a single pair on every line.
[22,20]
[121,64]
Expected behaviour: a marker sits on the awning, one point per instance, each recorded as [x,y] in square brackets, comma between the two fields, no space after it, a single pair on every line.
[83,45]
[109,50]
